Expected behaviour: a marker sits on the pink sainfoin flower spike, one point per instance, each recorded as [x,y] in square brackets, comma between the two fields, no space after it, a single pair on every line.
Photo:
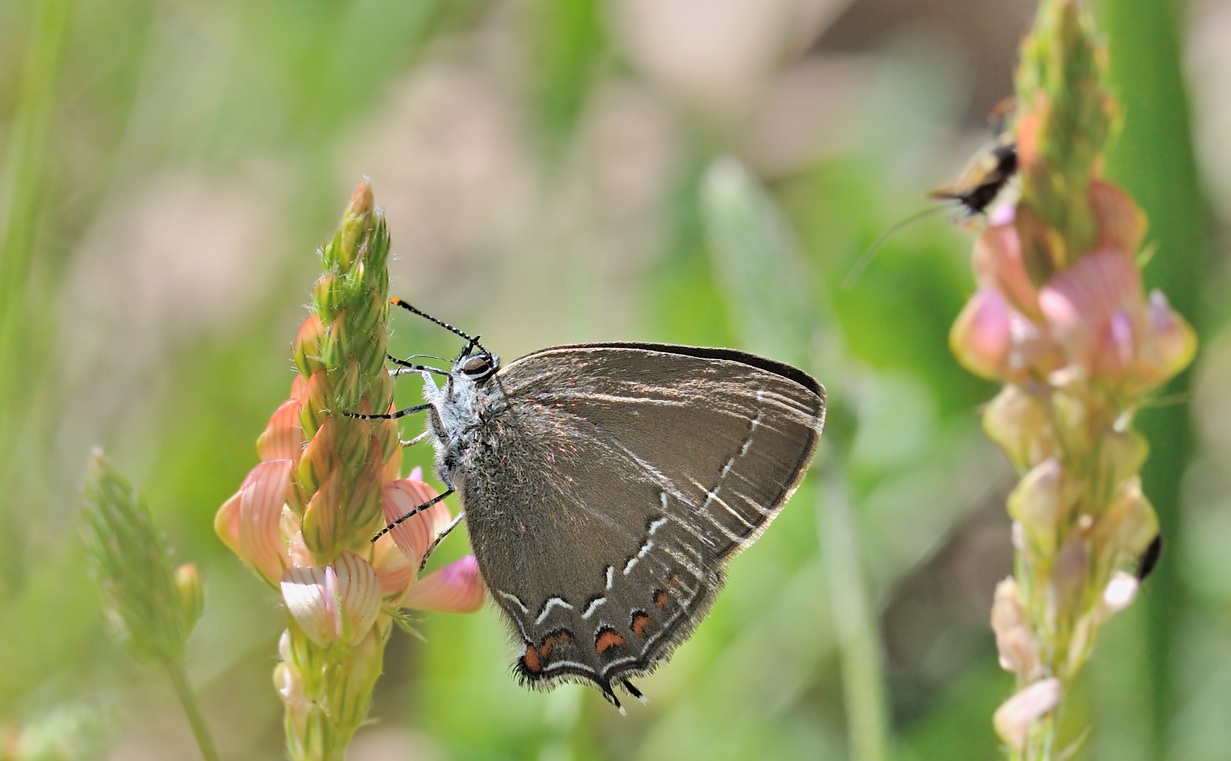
[1062,320]
[304,517]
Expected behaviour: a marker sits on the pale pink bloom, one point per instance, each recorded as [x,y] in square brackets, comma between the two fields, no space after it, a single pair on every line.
[283,436]
[1096,313]
[982,336]
[454,588]
[1015,716]
[1015,643]
[414,535]
[393,568]
[249,521]
[1121,224]
[1173,346]
[335,604]
[263,522]
[999,267]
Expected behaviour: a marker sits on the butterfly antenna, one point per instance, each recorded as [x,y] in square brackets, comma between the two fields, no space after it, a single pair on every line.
[866,257]
[474,340]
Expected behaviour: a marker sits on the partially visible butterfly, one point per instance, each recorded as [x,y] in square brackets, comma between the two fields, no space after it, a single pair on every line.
[980,185]
[1149,559]
[984,180]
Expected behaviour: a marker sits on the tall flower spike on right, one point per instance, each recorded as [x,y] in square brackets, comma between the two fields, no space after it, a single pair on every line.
[1060,317]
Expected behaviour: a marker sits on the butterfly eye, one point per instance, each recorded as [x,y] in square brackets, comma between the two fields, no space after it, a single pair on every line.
[478,366]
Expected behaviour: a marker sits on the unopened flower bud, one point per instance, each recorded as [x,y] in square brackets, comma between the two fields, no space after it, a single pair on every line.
[1128,525]
[1121,455]
[191,596]
[147,608]
[349,695]
[1069,574]
[1039,502]
[1019,422]
[308,346]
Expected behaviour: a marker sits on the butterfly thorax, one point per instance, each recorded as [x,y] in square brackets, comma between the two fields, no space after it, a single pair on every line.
[460,411]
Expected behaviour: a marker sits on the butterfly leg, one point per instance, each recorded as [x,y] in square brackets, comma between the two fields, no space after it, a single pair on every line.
[414,512]
[412,368]
[415,440]
[389,415]
[440,538]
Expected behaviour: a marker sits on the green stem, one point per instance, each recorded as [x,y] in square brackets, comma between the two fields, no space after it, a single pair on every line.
[858,641]
[188,699]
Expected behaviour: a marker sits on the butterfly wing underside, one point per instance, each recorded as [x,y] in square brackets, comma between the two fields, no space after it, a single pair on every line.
[629,475]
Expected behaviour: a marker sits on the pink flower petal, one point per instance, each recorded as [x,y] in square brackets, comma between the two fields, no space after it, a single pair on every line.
[395,570]
[359,595]
[310,597]
[335,604]
[999,267]
[455,588]
[982,336]
[248,523]
[283,436]
[1174,342]
[1121,224]
[299,388]
[415,534]
[1013,719]
[1080,303]
[1015,642]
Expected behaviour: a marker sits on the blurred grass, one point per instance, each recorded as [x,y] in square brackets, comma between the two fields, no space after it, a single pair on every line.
[1155,160]
[570,206]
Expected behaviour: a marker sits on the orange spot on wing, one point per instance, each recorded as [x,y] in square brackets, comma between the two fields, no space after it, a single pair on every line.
[607,639]
[531,659]
[640,621]
[661,598]
[560,636]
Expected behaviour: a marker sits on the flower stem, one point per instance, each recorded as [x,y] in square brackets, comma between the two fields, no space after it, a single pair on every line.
[188,700]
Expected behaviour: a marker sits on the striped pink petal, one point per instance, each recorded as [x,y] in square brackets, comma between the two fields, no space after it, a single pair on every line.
[394,569]
[415,534]
[1079,303]
[335,604]
[455,588]
[249,521]
[283,437]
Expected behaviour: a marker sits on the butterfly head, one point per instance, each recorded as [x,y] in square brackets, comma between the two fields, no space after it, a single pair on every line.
[476,364]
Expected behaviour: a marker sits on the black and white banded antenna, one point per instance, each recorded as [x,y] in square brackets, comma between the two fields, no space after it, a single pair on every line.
[472,342]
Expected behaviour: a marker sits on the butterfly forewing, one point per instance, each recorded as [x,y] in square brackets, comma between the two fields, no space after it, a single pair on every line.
[629,474]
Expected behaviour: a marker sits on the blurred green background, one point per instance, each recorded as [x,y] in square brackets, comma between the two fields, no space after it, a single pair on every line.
[693,171]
